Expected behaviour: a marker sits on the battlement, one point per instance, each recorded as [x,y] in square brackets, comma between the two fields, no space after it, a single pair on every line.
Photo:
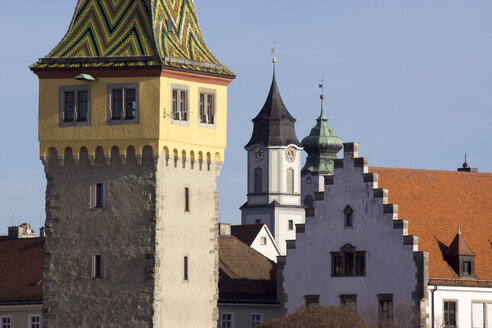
[116,156]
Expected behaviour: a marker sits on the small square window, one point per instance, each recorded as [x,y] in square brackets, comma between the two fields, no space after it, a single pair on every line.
[257,221]
[349,302]
[263,241]
[291,224]
[5,322]
[34,321]
[311,300]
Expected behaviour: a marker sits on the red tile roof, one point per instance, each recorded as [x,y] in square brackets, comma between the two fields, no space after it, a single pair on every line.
[437,204]
[21,268]
[247,232]
[244,273]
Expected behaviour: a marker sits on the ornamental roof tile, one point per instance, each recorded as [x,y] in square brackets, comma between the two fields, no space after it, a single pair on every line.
[21,270]
[438,203]
[140,33]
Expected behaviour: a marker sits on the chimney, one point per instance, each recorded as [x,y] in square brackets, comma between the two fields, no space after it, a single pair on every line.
[224,230]
[22,231]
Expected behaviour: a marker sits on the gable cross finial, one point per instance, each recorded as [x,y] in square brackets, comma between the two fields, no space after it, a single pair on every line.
[274,49]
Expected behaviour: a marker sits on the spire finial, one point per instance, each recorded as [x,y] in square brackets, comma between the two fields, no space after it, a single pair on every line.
[274,49]
[465,164]
[322,97]
[459,230]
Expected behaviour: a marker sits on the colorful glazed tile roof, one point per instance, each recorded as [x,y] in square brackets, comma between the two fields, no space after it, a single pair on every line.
[437,204]
[139,33]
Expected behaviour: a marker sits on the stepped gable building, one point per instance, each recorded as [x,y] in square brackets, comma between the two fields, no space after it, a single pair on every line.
[274,165]
[322,146]
[132,132]
[247,284]
[385,241]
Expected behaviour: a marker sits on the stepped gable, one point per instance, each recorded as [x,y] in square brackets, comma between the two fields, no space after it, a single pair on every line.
[245,274]
[140,33]
[274,126]
[437,204]
[21,270]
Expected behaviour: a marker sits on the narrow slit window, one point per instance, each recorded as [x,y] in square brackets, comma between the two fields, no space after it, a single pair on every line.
[291,224]
[187,199]
[100,195]
[185,276]
[349,220]
[97,268]
[290,181]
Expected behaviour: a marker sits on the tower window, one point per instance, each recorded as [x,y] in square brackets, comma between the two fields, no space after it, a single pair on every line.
[290,181]
[258,180]
[185,269]
[97,267]
[179,105]
[122,103]
[207,108]
[74,105]
[98,195]
[187,199]
[291,224]
[348,212]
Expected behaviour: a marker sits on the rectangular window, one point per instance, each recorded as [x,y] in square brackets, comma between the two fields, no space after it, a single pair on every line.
[179,104]
[291,224]
[450,314]
[97,267]
[123,103]
[349,263]
[290,181]
[207,108]
[385,313]
[337,264]
[263,241]
[348,220]
[227,320]
[478,315]
[311,300]
[34,321]
[187,199]
[5,322]
[360,263]
[349,302]
[74,105]
[185,274]
[99,194]
[256,319]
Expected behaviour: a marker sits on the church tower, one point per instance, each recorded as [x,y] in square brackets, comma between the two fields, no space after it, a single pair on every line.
[322,146]
[274,163]
[132,132]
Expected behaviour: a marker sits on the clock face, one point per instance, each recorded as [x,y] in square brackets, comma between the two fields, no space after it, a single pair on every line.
[290,154]
[258,154]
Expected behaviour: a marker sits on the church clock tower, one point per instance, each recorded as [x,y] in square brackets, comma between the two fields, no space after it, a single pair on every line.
[274,166]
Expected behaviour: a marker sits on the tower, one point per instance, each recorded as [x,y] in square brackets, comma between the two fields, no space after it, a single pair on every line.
[322,146]
[274,163]
[132,132]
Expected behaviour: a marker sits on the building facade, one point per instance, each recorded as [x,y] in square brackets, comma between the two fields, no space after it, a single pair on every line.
[132,132]
[274,166]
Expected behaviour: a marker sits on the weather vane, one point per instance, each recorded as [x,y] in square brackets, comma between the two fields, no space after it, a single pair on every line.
[322,86]
[274,49]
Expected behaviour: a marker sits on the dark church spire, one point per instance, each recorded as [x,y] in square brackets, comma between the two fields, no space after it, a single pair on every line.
[274,126]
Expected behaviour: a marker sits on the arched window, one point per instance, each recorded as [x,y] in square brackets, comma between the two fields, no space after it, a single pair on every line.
[290,181]
[258,180]
[349,219]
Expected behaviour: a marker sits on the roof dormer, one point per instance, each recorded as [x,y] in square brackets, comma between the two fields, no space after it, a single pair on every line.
[460,256]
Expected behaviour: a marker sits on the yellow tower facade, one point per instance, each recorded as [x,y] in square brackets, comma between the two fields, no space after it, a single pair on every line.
[132,132]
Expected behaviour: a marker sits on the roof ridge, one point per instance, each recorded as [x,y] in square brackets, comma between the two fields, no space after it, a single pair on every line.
[431,171]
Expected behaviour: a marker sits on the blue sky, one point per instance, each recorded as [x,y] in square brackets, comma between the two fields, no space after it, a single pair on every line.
[410,81]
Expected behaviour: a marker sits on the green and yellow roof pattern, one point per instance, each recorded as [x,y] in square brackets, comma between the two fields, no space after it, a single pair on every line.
[134,33]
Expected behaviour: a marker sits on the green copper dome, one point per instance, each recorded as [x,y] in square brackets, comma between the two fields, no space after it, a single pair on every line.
[322,146]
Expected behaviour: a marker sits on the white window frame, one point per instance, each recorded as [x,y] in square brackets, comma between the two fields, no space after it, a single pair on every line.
[255,323]
[180,120]
[207,93]
[31,317]
[61,101]
[9,323]
[123,119]
[93,192]
[222,319]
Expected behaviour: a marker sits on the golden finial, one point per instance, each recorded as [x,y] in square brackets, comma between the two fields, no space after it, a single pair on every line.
[274,60]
